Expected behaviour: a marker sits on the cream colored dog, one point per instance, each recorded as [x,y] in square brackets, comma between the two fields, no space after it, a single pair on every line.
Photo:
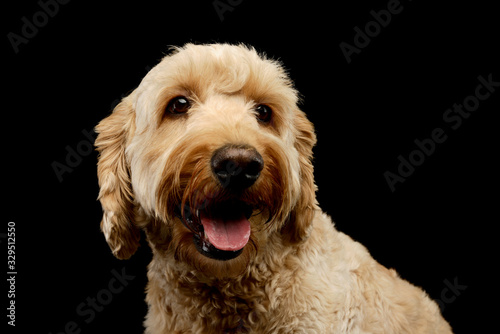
[211,157]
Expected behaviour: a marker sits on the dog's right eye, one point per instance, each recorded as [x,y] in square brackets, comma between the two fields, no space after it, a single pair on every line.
[178,105]
[263,113]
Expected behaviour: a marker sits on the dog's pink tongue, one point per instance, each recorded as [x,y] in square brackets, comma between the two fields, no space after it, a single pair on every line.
[227,235]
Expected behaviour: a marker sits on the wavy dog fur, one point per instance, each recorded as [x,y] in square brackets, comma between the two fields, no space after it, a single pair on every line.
[297,273]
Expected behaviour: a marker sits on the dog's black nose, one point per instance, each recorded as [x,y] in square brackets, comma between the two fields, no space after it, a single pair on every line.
[237,166]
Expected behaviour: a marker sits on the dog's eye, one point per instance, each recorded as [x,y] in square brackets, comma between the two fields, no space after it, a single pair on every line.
[263,113]
[178,105]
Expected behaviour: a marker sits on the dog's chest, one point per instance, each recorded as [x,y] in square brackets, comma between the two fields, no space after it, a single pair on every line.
[237,309]
[226,307]
[241,329]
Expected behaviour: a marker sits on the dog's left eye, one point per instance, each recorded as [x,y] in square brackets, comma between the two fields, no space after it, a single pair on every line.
[178,105]
[263,113]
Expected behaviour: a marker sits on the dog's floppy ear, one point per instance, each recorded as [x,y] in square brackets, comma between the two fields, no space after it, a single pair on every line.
[299,224]
[114,181]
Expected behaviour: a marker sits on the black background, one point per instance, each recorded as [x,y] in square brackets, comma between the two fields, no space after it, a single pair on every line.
[438,225]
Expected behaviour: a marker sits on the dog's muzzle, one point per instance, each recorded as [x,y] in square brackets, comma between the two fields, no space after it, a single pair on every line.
[221,226]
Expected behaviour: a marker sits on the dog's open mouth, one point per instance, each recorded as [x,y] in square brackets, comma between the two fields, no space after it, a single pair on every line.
[221,230]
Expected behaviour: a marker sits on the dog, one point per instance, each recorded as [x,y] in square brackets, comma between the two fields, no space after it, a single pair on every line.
[211,157]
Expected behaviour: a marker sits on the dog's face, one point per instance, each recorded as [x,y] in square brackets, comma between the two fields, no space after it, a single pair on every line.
[211,156]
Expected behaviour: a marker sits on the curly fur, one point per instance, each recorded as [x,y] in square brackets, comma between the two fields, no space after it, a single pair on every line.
[297,274]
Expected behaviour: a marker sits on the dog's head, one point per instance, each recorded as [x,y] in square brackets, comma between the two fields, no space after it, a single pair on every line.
[211,156]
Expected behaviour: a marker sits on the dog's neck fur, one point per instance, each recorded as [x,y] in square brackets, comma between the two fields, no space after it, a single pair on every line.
[219,304]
